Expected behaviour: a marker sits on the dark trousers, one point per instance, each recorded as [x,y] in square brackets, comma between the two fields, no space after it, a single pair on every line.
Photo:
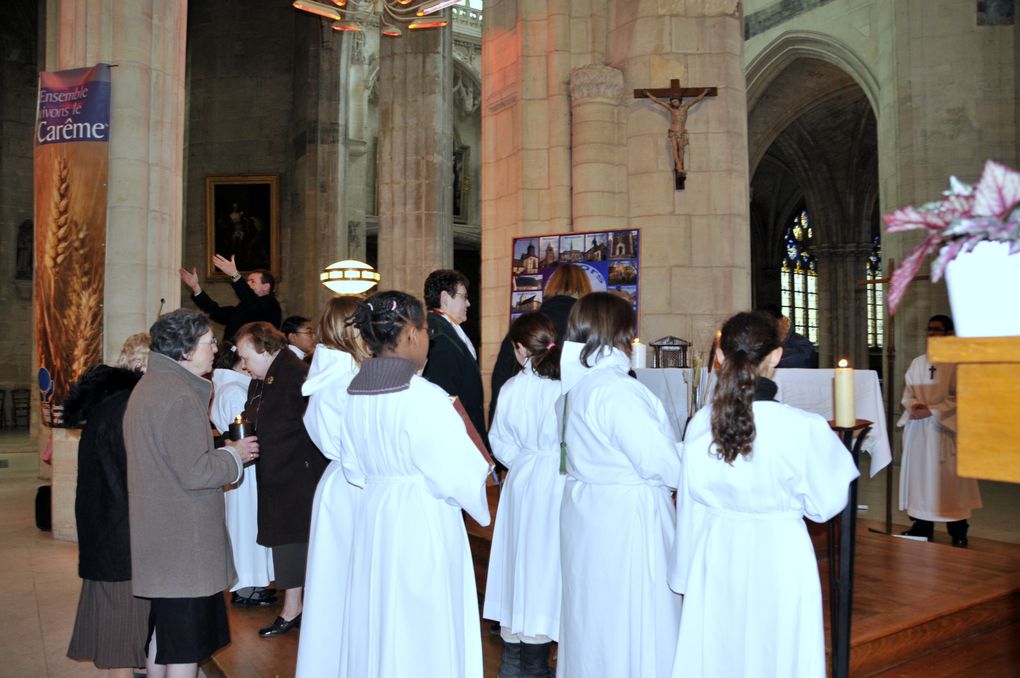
[926,528]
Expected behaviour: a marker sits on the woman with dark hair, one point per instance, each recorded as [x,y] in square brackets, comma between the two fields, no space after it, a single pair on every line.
[412,608]
[619,617]
[522,591]
[752,470]
[334,363]
[252,561]
[180,552]
[566,285]
[289,464]
[110,625]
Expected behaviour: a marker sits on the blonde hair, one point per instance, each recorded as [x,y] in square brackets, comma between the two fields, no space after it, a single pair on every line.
[134,354]
[569,280]
[337,332]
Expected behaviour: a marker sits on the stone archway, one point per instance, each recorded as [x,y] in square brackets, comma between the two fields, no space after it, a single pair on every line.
[813,145]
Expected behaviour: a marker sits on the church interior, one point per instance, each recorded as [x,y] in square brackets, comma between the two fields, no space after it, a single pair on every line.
[442,146]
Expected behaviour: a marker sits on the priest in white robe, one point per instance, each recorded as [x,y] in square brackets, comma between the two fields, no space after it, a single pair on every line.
[930,489]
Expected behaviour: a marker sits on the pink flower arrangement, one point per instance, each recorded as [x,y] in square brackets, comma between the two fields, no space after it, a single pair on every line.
[967,216]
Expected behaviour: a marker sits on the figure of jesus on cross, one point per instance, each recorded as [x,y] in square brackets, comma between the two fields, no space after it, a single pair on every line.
[677,109]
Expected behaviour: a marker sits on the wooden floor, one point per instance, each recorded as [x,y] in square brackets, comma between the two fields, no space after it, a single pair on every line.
[921,610]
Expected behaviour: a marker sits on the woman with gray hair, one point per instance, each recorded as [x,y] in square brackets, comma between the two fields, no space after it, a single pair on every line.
[180,552]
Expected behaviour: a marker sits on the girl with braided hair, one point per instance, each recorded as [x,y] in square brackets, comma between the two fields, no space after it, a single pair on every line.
[752,470]
[412,607]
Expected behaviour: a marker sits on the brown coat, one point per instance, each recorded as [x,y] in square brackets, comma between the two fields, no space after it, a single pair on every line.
[289,465]
[179,542]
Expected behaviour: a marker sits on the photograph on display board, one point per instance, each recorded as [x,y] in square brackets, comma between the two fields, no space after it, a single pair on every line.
[525,255]
[626,292]
[525,302]
[549,251]
[623,244]
[623,272]
[528,282]
[572,248]
[596,246]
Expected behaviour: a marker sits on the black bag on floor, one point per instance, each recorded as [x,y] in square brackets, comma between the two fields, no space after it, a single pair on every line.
[43,516]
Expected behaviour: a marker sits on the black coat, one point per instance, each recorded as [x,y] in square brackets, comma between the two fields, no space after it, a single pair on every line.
[250,308]
[289,465]
[452,367]
[558,310]
[98,402]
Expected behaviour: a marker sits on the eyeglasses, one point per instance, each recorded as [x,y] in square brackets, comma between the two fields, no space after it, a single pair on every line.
[304,330]
[211,342]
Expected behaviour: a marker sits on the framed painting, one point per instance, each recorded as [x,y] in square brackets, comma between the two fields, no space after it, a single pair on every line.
[242,219]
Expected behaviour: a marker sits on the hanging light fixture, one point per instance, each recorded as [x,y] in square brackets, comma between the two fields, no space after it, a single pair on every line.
[389,15]
[349,277]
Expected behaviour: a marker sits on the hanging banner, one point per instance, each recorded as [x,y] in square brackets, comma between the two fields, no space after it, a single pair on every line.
[610,258]
[72,132]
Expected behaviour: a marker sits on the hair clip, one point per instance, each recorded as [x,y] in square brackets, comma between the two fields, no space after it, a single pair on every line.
[551,346]
[370,306]
[233,349]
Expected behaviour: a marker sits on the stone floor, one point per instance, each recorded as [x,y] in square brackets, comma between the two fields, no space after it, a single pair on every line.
[40,583]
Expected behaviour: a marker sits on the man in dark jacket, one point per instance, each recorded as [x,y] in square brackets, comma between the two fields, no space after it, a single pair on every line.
[255,295]
[453,362]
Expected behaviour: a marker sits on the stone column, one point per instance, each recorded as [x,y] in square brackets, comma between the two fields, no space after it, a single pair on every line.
[599,160]
[842,300]
[145,40]
[415,158]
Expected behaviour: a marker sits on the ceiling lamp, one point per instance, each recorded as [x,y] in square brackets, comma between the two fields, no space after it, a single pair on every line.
[349,277]
[318,8]
[390,15]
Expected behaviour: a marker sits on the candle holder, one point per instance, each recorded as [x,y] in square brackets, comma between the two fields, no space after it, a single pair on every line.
[240,428]
[841,568]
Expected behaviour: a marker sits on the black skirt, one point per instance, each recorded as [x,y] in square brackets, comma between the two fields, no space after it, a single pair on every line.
[188,630]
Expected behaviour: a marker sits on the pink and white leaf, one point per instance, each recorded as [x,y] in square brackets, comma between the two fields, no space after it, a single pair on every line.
[911,218]
[998,191]
[908,269]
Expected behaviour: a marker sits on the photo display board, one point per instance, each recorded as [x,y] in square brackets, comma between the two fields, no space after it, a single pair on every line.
[610,258]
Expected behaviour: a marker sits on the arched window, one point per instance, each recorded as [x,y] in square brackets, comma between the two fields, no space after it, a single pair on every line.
[799,282]
[875,296]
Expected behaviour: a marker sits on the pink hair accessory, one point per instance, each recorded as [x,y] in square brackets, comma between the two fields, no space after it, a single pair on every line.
[552,344]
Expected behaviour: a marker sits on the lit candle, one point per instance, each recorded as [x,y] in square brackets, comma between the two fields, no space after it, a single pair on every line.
[638,355]
[844,386]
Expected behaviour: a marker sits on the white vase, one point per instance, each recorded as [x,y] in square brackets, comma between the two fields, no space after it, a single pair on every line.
[984,291]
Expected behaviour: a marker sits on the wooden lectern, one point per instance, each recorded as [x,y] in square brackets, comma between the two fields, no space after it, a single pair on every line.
[987,403]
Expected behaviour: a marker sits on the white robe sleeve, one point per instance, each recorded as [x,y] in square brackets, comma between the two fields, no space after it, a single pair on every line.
[945,410]
[445,455]
[322,421]
[638,426]
[505,445]
[826,471]
[227,403]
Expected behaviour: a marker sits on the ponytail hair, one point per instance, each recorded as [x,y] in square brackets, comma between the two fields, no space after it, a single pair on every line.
[746,340]
[537,334]
[383,316]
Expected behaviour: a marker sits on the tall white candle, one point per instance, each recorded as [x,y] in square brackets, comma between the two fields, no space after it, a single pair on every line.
[844,395]
[638,355]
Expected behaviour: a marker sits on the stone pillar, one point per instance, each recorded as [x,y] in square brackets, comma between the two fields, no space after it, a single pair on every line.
[842,301]
[145,40]
[415,158]
[598,159]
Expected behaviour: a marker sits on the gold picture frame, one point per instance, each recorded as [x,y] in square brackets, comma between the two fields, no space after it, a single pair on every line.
[242,219]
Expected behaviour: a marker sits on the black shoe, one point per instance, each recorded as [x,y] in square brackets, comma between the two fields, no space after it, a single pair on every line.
[280,626]
[960,542]
[915,532]
[261,598]
[494,629]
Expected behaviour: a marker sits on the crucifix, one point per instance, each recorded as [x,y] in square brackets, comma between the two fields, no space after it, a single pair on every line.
[931,372]
[677,109]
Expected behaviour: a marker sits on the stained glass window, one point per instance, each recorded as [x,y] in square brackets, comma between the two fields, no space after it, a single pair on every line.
[799,289]
[875,296]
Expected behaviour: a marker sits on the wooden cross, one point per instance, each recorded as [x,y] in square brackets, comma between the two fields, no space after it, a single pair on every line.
[677,134]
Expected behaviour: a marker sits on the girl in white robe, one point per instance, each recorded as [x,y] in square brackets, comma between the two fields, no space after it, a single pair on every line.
[253,562]
[522,590]
[752,470]
[412,607]
[619,617]
[335,361]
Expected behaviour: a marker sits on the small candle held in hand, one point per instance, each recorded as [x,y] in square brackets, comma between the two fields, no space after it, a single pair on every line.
[846,416]
[240,428]
[638,355]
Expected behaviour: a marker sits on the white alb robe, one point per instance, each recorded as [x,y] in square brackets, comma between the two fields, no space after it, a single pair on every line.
[333,512]
[743,558]
[253,562]
[929,486]
[412,606]
[522,590]
[617,524]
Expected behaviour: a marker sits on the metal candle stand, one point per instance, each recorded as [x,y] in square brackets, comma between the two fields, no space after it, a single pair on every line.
[841,571]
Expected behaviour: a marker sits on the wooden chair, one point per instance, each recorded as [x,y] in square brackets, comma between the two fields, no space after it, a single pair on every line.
[21,399]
